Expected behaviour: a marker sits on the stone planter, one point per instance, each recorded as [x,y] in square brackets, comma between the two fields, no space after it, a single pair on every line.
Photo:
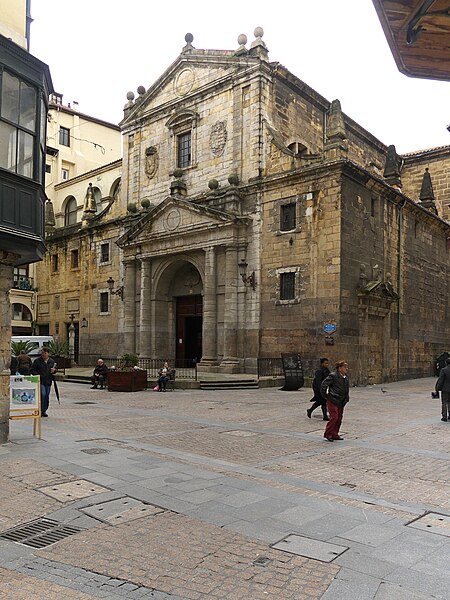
[127,381]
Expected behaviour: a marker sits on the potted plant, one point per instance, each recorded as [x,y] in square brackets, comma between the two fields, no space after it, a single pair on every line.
[59,351]
[127,376]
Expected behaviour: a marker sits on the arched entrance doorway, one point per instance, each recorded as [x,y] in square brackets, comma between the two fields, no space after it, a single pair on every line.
[189,323]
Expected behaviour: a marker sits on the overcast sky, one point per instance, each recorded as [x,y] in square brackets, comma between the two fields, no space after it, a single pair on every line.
[98,50]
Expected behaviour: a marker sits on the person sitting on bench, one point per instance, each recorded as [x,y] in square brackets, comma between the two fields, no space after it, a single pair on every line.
[99,376]
[164,376]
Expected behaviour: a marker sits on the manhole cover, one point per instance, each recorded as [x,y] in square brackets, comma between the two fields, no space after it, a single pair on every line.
[122,510]
[95,451]
[240,433]
[296,544]
[87,402]
[262,561]
[434,523]
[39,534]
[74,490]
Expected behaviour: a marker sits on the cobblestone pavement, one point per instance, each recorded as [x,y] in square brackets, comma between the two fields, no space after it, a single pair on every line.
[182,496]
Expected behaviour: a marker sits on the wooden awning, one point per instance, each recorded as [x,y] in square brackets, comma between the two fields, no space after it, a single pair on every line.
[418,33]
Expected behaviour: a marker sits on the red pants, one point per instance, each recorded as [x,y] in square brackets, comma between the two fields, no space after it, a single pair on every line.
[336,413]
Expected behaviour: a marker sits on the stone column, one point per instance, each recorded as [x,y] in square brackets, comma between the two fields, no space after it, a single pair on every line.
[6,281]
[230,363]
[145,317]
[209,336]
[129,326]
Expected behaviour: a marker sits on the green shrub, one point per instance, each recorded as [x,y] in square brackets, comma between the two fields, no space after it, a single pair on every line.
[17,347]
[58,348]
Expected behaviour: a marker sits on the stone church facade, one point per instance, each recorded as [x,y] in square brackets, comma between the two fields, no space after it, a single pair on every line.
[253,212]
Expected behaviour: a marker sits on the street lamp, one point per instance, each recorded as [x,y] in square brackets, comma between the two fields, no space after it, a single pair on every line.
[118,292]
[247,279]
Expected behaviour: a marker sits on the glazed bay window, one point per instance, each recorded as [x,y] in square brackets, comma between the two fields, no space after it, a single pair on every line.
[287,286]
[18,119]
[184,148]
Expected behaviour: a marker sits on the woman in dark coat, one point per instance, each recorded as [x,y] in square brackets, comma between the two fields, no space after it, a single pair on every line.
[318,400]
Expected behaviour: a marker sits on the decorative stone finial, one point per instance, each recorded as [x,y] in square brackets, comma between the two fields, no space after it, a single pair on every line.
[49,216]
[189,38]
[392,167]
[258,47]
[426,197]
[336,145]
[242,40]
[141,90]
[130,103]
[213,184]
[233,179]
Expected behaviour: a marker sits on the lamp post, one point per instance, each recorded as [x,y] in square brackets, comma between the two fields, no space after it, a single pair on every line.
[249,280]
[118,292]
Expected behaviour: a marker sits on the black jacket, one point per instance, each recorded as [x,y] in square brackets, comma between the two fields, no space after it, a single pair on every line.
[338,389]
[42,368]
[443,383]
[319,376]
[101,370]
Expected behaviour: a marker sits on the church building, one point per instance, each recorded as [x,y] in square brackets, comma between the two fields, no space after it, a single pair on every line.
[255,217]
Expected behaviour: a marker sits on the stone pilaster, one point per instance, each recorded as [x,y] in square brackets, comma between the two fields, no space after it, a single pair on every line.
[145,316]
[6,282]
[230,363]
[209,337]
[129,327]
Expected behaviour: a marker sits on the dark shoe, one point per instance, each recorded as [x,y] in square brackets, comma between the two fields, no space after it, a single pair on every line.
[308,412]
[338,438]
[443,419]
[44,415]
[94,387]
[330,439]
[326,419]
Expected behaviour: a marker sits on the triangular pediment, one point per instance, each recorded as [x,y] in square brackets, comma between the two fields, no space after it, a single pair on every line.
[176,217]
[189,73]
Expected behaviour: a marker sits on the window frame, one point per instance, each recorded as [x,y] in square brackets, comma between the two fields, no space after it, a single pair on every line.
[291,224]
[74,258]
[281,274]
[102,294]
[70,213]
[184,149]
[100,256]
[55,263]
[64,136]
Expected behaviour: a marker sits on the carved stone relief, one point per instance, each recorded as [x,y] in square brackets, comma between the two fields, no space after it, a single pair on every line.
[218,138]
[151,161]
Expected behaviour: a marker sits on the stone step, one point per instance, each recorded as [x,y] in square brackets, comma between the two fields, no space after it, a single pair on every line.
[236,384]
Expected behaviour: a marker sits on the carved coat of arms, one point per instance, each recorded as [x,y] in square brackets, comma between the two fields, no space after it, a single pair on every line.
[151,161]
[218,138]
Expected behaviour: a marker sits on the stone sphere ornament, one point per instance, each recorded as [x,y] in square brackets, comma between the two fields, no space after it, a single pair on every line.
[130,96]
[259,32]
[141,90]
[233,179]
[145,203]
[213,184]
[189,38]
[242,39]
[178,173]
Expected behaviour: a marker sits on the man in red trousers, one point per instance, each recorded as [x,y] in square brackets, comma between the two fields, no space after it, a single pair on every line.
[335,388]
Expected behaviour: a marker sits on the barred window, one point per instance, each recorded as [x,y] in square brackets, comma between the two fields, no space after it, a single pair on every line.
[184,150]
[104,302]
[287,286]
[288,216]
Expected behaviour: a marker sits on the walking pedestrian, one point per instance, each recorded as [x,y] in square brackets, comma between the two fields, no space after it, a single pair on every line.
[443,386]
[318,399]
[335,388]
[45,367]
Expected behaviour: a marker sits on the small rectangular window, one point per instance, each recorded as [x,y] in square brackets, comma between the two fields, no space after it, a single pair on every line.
[65,175]
[104,253]
[104,302]
[287,286]
[288,215]
[54,263]
[48,168]
[74,259]
[64,136]
[184,150]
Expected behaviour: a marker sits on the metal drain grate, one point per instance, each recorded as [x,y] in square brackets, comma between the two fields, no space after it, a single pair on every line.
[95,451]
[87,402]
[39,534]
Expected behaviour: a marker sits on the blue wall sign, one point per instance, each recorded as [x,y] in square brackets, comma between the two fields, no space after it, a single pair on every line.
[329,328]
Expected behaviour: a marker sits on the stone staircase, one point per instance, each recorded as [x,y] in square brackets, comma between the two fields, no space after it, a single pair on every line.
[230,384]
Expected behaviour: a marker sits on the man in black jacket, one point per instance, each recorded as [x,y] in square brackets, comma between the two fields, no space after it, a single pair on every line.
[45,367]
[318,399]
[443,386]
[100,374]
[335,388]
